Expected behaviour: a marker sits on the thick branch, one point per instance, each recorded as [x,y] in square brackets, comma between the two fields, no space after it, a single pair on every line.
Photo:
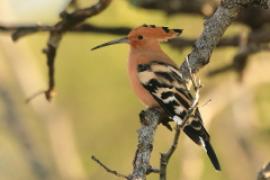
[149,121]
[108,169]
[68,21]
[255,37]
[214,28]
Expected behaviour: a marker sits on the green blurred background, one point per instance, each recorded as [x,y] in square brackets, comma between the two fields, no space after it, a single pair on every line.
[96,113]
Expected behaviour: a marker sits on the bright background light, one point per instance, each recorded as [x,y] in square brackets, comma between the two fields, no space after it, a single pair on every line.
[31,11]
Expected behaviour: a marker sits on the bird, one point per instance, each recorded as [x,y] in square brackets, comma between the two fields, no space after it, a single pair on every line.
[157,81]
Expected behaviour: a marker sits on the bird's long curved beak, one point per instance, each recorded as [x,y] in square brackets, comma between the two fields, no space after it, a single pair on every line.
[116,41]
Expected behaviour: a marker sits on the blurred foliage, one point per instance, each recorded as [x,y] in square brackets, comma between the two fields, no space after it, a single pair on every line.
[93,89]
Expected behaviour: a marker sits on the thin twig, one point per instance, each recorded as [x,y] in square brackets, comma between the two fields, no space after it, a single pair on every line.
[141,164]
[72,22]
[108,169]
[50,51]
[214,28]
[33,96]
[240,61]
[69,21]
[165,157]
[152,170]
[213,31]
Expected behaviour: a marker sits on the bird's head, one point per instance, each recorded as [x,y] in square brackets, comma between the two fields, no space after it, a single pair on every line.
[145,35]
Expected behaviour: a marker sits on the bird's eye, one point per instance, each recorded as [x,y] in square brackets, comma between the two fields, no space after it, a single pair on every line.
[140,37]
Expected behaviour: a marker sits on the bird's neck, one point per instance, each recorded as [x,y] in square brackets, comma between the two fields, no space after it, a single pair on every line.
[144,55]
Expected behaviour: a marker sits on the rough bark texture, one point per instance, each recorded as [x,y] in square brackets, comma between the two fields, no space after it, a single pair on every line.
[214,28]
[149,121]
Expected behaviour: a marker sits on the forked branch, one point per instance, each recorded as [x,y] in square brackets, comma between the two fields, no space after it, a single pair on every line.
[165,157]
[69,21]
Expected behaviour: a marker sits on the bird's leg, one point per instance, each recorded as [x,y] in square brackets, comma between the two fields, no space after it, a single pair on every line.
[164,120]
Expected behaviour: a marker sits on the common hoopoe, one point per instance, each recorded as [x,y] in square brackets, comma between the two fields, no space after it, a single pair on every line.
[157,81]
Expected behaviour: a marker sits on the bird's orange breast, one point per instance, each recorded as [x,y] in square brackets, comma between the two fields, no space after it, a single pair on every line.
[144,55]
[145,97]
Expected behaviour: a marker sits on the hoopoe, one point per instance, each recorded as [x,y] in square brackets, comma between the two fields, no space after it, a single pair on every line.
[157,81]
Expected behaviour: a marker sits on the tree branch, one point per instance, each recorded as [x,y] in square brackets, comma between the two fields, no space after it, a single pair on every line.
[108,169]
[207,8]
[260,36]
[165,157]
[214,28]
[68,22]
[149,121]
[71,22]
[18,31]
[171,7]
[141,163]
[240,61]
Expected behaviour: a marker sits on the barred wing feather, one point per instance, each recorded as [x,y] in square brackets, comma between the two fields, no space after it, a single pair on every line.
[164,82]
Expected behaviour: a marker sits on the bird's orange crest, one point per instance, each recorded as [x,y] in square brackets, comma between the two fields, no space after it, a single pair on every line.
[154,32]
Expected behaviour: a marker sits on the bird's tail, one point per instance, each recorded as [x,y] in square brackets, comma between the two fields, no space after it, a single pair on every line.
[212,155]
[199,135]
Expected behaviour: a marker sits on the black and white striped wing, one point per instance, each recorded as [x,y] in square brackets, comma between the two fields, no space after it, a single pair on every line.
[165,84]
